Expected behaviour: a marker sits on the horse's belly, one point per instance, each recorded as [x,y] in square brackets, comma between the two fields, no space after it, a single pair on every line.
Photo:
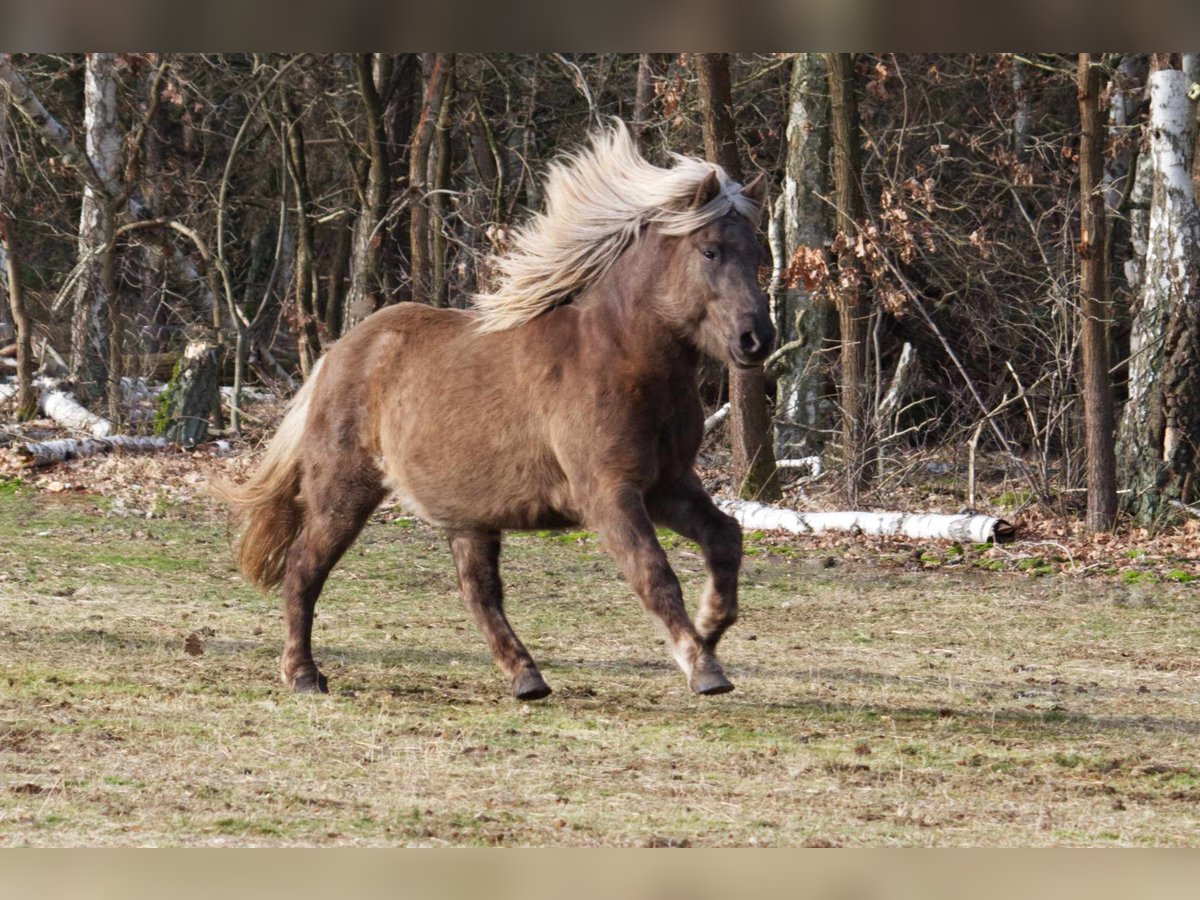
[484,494]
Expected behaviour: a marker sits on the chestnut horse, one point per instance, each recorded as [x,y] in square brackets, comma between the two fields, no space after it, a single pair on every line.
[566,397]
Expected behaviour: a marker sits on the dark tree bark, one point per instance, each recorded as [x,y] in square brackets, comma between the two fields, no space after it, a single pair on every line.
[26,400]
[443,152]
[852,310]
[643,102]
[10,276]
[363,297]
[436,83]
[1094,306]
[749,423]
[306,314]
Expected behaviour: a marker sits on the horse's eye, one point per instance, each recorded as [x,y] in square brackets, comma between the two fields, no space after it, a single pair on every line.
[710,253]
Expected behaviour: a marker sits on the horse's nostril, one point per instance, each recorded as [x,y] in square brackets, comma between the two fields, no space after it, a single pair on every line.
[749,342]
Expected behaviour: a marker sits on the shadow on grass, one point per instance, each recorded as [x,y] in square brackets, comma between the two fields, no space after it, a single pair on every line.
[467,666]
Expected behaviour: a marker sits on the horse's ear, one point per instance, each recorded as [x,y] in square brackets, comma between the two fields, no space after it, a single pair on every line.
[708,190]
[756,190]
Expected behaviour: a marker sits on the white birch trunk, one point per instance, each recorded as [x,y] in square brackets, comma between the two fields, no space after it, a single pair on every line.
[1170,281]
[90,306]
[801,405]
[66,411]
[1021,114]
[974,529]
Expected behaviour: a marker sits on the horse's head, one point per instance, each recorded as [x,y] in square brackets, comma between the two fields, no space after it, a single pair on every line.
[713,289]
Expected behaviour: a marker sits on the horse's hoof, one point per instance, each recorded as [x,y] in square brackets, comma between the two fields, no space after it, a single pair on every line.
[710,681]
[311,683]
[530,686]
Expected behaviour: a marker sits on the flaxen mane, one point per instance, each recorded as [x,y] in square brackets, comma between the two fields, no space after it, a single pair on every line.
[597,200]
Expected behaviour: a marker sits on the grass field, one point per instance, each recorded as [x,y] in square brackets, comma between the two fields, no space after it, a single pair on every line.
[875,704]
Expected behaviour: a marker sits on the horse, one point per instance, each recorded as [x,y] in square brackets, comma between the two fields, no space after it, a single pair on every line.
[565,397]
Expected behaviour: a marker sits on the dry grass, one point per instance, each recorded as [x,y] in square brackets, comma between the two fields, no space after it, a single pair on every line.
[874,705]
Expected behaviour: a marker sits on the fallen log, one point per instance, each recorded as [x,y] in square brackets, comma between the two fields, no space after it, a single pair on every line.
[966,527]
[812,463]
[67,412]
[45,453]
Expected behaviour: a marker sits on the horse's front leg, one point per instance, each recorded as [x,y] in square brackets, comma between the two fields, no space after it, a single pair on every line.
[621,518]
[687,509]
[477,559]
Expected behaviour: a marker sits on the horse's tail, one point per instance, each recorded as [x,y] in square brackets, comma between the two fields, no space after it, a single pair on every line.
[267,507]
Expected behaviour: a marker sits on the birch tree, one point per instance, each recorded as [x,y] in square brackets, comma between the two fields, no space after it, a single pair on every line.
[91,305]
[1160,427]
[805,319]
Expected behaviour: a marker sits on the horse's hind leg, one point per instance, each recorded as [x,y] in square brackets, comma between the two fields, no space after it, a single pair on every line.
[338,499]
[477,559]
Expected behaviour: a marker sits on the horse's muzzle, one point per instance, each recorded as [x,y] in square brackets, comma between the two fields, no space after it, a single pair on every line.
[752,345]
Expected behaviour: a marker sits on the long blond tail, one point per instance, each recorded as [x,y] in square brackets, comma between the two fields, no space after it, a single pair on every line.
[267,507]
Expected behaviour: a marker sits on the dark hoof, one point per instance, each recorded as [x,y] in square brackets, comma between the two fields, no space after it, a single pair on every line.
[530,686]
[710,681]
[313,683]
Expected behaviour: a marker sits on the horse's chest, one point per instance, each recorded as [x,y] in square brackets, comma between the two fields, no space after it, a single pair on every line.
[677,429]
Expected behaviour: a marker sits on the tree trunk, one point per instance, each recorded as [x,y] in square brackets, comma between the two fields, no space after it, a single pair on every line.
[92,306]
[852,310]
[1094,306]
[750,425]
[11,274]
[11,286]
[191,394]
[1160,431]
[437,81]
[306,314]
[49,452]
[964,527]
[443,150]
[1020,75]
[643,103]
[802,405]
[363,297]
[335,290]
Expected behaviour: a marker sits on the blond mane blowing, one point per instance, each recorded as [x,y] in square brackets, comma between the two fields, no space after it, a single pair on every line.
[597,200]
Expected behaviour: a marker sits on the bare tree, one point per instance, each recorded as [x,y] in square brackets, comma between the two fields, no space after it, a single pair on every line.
[852,308]
[437,82]
[12,296]
[306,312]
[754,469]
[363,298]
[1094,306]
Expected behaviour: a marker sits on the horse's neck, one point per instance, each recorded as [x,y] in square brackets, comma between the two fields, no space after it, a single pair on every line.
[621,309]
